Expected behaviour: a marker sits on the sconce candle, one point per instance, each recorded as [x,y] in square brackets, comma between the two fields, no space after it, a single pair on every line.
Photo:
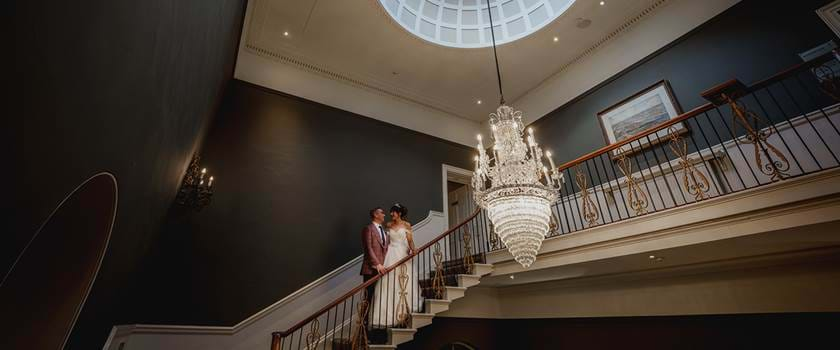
[194,192]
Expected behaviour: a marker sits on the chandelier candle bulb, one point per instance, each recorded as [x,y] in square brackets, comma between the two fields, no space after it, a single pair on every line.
[550,161]
[515,189]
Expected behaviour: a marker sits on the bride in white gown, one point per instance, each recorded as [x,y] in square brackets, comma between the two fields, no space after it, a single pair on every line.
[385,310]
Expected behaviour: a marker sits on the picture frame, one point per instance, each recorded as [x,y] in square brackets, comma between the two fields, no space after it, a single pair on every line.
[643,110]
[830,14]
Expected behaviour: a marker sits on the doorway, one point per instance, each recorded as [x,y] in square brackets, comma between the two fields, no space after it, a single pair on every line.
[44,291]
[458,199]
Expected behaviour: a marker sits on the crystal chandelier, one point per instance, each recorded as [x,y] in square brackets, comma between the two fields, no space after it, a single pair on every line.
[521,188]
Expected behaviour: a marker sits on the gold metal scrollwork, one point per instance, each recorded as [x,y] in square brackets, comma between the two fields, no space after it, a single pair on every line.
[694,181]
[468,255]
[553,225]
[360,339]
[314,336]
[775,168]
[636,198]
[402,307]
[437,281]
[590,209]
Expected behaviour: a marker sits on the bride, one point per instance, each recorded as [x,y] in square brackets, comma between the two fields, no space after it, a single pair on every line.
[386,309]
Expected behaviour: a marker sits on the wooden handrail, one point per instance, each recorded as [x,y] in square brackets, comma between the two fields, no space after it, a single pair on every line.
[694,112]
[792,70]
[648,131]
[372,280]
[700,109]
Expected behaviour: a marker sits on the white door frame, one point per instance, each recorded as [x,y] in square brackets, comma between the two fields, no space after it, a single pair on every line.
[454,174]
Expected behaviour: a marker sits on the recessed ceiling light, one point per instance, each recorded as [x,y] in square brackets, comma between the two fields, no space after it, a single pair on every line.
[556,39]
[602,3]
[285,33]
[478,102]
[511,277]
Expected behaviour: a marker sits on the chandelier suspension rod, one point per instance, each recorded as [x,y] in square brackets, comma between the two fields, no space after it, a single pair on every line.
[495,56]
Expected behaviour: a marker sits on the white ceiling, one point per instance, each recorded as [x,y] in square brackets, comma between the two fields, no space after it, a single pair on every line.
[359,39]
[358,44]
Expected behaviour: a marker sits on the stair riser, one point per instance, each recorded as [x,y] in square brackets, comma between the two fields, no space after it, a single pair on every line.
[420,323]
[467,281]
[399,337]
[436,307]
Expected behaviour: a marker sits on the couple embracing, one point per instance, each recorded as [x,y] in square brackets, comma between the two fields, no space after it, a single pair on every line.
[384,245]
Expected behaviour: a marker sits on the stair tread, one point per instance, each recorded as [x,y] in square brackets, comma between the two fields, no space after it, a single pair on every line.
[396,329]
[439,300]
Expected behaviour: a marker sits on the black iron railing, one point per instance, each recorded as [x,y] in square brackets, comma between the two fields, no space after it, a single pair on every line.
[350,322]
[745,137]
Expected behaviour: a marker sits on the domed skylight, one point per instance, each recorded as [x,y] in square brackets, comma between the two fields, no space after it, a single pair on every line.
[465,23]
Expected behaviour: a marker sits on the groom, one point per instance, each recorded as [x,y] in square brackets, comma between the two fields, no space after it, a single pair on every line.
[375,245]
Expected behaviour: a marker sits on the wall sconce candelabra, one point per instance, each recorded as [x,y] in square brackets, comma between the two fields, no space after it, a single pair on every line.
[196,188]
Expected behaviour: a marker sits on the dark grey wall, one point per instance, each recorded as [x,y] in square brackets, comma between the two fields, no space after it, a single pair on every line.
[747,331]
[295,181]
[751,41]
[127,87]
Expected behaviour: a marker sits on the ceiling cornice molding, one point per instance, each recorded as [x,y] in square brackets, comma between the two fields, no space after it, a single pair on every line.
[604,58]
[641,36]
[305,64]
[285,55]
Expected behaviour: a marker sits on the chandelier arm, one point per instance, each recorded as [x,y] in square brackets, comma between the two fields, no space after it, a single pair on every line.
[496,56]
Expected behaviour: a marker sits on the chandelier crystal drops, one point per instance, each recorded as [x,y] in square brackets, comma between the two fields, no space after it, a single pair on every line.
[522,189]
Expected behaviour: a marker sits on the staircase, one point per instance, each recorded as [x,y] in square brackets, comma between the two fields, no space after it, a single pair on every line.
[457,279]
[340,325]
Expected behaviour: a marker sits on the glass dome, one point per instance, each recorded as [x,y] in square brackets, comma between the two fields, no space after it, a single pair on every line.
[466,24]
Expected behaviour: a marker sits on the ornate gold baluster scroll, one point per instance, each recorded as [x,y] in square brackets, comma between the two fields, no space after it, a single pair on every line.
[402,307]
[553,225]
[360,339]
[437,281]
[468,255]
[314,336]
[590,209]
[636,198]
[776,164]
[694,181]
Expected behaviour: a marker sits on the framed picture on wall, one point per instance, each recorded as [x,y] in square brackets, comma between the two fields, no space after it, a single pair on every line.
[644,110]
[830,14]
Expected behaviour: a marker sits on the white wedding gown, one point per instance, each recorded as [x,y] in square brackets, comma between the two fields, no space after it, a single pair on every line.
[386,298]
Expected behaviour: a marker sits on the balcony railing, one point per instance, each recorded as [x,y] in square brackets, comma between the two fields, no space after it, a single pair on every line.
[745,137]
